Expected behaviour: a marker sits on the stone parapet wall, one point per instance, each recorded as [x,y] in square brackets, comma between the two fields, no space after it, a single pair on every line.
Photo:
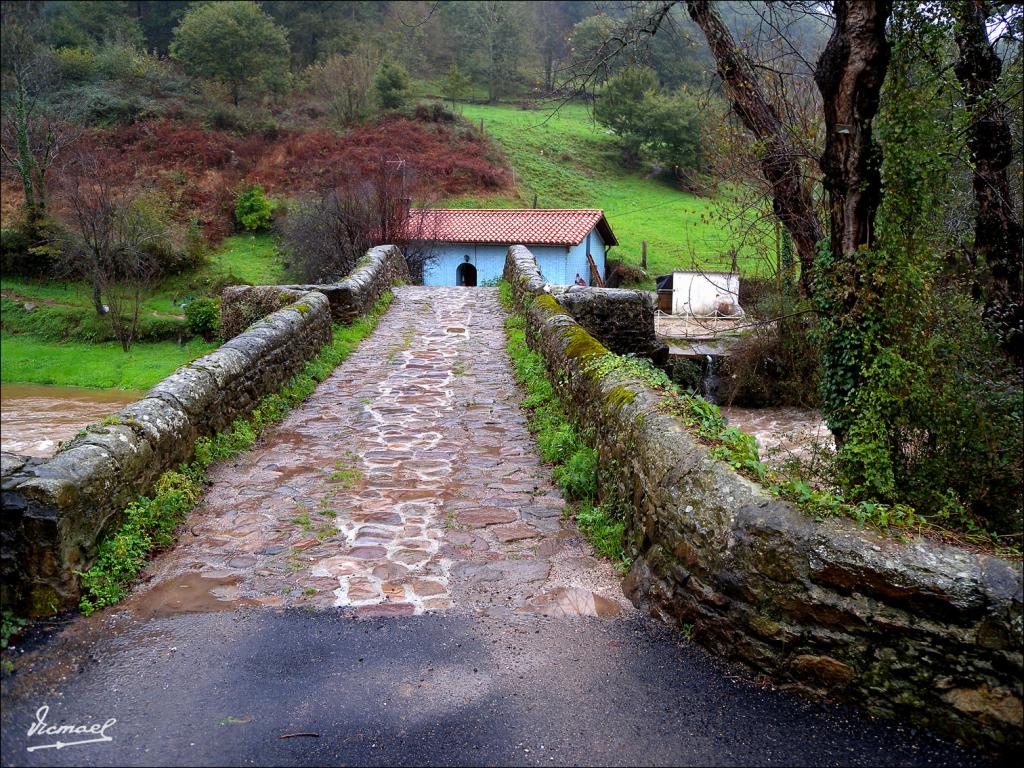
[376,272]
[621,319]
[56,510]
[910,628]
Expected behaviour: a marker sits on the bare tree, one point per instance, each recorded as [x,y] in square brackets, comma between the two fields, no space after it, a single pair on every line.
[785,164]
[997,232]
[780,157]
[113,243]
[31,139]
[346,83]
[328,232]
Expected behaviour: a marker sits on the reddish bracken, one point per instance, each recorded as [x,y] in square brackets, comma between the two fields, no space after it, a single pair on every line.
[200,169]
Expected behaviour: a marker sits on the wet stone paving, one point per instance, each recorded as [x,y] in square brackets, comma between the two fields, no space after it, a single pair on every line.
[407,483]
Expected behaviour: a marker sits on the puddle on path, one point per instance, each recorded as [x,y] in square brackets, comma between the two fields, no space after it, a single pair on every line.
[572,601]
[37,417]
[188,593]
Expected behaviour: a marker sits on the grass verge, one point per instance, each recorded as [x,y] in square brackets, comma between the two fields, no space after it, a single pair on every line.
[562,444]
[31,360]
[150,522]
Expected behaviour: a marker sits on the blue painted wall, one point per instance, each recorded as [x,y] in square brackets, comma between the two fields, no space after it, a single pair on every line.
[558,265]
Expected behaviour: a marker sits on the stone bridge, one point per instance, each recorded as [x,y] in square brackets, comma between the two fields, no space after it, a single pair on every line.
[408,483]
[390,576]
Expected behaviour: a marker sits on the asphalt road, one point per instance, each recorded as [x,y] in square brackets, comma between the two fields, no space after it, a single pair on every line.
[224,688]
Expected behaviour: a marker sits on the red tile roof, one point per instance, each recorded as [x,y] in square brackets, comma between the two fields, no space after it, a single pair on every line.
[515,226]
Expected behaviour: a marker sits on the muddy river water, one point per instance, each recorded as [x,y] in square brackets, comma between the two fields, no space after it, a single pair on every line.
[782,432]
[34,418]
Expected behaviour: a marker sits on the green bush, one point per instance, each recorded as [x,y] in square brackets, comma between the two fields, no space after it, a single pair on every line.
[16,258]
[203,317]
[253,210]
[75,64]
[61,323]
[391,85]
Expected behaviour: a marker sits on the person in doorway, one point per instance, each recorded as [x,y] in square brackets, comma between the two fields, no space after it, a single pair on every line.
[580,280]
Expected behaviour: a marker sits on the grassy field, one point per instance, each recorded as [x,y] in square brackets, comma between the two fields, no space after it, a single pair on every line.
[62,341]
[30,360]
[241,259]
[568,161]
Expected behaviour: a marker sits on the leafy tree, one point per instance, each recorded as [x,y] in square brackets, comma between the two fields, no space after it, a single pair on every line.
[234,42]
[253,210]
[671,125]
[653,125]
[592,52]
[621,103]
[92,23]
[456,85]
[497,27]
[391,85]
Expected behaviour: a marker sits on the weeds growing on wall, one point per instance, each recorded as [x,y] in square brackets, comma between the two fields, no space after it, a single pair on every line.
[150,522]
[561,443]
[728,444]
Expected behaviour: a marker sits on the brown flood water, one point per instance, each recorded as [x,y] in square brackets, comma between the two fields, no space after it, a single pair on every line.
[782,432]
[34,418]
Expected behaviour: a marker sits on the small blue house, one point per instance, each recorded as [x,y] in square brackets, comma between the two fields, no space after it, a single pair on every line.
[470,244]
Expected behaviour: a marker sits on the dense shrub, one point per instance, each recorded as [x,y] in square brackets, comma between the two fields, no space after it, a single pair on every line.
[203,317]
[391,85]
[75,64]
[253,210]
[16,259]
[433,112]
[652,125]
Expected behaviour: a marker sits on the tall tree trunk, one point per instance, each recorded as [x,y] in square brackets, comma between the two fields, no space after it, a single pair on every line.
[97,298]
[849,75]
[997,229]
[791,197]
[26,163]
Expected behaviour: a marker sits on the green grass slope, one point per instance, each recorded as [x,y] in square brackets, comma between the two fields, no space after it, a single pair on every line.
[62,341]
[569,161]
[31,360]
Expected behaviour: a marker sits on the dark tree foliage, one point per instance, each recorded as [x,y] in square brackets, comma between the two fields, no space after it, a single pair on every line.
[998,237]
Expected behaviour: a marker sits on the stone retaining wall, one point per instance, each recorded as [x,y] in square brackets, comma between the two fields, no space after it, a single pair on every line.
[375,273]
[56,510]
[913,628]
[621,319]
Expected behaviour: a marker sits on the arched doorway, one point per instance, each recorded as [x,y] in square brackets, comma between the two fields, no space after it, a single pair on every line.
[466,275]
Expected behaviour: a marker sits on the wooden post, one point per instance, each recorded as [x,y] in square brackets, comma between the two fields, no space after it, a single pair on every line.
[481,126]
[643,255]
[535,201]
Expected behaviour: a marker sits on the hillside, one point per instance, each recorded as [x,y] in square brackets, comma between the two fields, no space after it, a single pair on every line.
[568,161]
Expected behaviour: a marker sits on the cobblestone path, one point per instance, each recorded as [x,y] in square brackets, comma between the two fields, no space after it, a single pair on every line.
[407,483]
